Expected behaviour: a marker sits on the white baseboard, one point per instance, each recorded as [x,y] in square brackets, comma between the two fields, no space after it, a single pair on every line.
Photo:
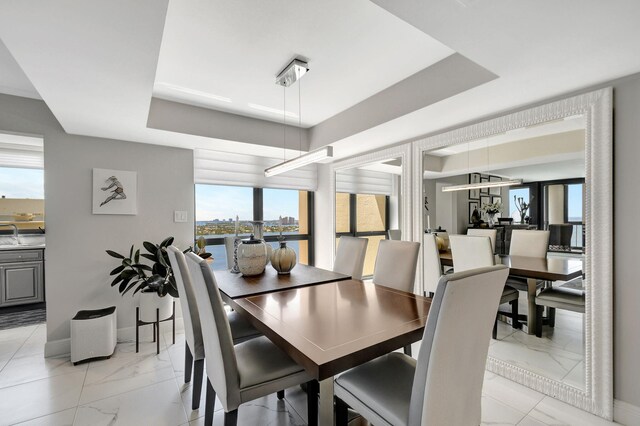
[625,413]
[62,347]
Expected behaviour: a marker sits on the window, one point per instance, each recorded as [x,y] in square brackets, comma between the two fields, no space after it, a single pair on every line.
[574,203]
[518,193]
[366,216]
[217,207]
[21,183]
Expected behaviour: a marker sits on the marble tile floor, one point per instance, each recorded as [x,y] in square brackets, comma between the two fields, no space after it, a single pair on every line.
[148,389]
[558,355]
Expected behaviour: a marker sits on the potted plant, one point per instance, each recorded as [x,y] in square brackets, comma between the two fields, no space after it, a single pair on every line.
[156,283]
[201,249]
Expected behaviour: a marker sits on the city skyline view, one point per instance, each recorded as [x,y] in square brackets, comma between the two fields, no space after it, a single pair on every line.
[225,202]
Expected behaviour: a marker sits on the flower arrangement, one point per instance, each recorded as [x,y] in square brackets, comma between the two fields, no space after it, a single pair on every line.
[492,208]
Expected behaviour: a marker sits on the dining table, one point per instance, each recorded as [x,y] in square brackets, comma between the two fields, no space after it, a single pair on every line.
[331,327]
[235,285]
[552,268]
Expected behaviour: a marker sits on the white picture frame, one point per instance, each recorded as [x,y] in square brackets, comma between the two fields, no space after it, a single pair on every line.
[115,192]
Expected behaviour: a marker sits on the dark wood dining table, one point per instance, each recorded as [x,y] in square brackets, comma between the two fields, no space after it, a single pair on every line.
[554,268]
[233,286]
[335,326]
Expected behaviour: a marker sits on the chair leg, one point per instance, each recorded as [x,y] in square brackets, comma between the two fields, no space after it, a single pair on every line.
[539,310]
[407,350]
[137,329]
[342,412]
[313,387]
[174,322]
[280,394]
[515,321]
[188,363]
[154,332]
[198,374]
[210,405]
[231,418]
[494,332]
[552,317]
[158,328]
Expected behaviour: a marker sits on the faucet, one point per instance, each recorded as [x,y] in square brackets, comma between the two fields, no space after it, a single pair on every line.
[15,231]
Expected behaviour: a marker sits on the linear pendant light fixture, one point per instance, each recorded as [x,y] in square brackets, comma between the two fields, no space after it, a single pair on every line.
[288,76]
[479,185]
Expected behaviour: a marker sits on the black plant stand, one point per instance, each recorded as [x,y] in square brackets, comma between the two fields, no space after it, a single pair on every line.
[156,327]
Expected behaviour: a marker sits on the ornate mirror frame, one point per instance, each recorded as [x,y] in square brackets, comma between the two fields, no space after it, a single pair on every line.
[598,324]
[398,151]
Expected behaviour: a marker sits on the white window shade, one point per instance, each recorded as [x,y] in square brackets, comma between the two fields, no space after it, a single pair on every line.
[224,168]
[357,181]
[21,151]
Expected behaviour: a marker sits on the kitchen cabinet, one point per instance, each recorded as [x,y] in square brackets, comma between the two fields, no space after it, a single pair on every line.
[21,277]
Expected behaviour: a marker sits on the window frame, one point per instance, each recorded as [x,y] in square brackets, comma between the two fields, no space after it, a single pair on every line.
[258,204]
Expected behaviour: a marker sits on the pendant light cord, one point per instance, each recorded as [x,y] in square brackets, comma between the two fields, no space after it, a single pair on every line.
[299,119]
[284,123]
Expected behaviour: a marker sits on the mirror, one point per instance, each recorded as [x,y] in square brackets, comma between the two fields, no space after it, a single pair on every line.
[554,157]
[371,199]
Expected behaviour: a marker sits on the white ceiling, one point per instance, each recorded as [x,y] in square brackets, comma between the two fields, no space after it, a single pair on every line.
[234,50]
[95,63]
[563,169]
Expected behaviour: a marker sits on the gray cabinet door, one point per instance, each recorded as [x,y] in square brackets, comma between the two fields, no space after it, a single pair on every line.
[21,283]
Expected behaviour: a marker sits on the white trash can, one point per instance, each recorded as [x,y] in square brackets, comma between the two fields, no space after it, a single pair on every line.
[93,334]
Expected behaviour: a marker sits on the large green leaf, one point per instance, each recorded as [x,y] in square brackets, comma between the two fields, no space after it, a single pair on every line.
[167,242]
[151,257]
[159,269]
[117,270]
[136,257]
[123,285]
[116,280]
[141,266]
[131,252]
[150,247]
[114,254]
[142,285]
[128,273]
[161,258]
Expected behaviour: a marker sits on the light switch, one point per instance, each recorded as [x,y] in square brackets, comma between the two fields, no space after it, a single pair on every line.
[179,216]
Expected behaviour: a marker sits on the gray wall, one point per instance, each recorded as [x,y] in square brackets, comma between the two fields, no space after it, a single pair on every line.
[626,239]
[77,268]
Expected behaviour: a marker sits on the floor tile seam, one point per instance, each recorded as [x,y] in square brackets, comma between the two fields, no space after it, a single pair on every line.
[181,401]
[42,378]
[39,417]
[510,406]
[119,394]
[20,347]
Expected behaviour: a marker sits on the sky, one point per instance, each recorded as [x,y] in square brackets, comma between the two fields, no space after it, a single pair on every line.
[574,202]
[224,202]
[21,183]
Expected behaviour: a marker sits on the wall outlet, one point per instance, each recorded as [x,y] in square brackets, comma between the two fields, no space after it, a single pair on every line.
[179,216]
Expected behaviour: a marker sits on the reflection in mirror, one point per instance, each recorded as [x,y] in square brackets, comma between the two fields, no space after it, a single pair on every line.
[368,205]
[547,337]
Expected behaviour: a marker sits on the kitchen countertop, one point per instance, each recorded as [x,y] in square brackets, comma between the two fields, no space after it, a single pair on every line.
[5,247]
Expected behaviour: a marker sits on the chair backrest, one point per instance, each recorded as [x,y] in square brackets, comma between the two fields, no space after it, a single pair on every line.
[220,359]
[396,264]
[432,266]
[394,234]
[471,252]
[447,385]
[350,256]
[190,316]
[529,243]
[560,234]
[491,233]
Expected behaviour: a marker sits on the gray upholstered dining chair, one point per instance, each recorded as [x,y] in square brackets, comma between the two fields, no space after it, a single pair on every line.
[350,256]
[484,232]
[527,243]
[432,265]
[559,298]
[241,330]
[246,371]
[471,252]
[395,267]
[444,386]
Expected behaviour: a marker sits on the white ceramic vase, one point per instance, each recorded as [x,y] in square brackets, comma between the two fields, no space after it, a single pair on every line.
[252,256]
[150,301]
